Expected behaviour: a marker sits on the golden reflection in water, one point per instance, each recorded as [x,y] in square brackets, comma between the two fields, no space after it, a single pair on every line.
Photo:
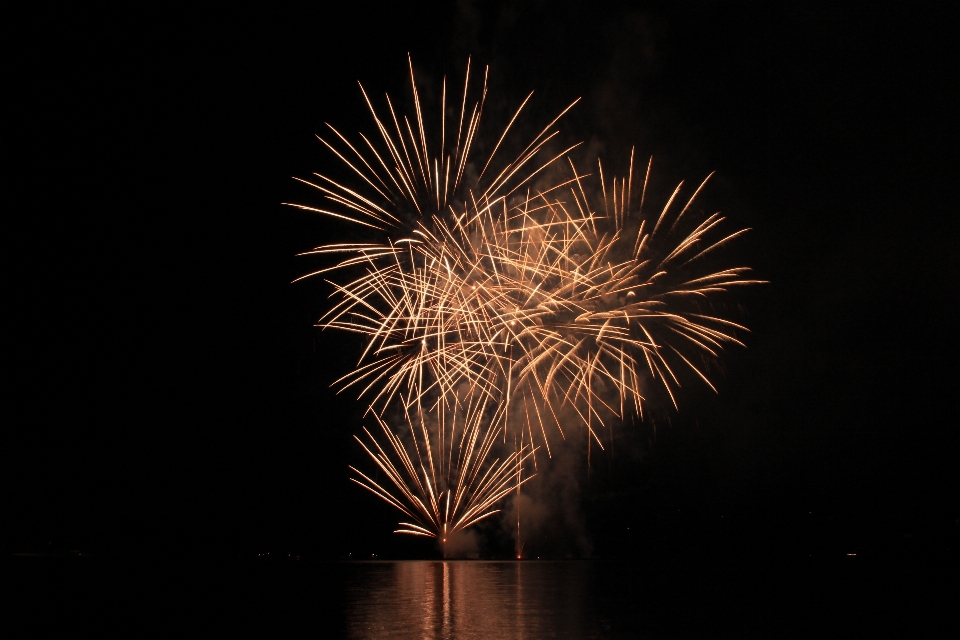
[446,595]
[454,600]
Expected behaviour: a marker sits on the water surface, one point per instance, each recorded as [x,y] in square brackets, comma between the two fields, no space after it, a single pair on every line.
[654,598]
[474,599]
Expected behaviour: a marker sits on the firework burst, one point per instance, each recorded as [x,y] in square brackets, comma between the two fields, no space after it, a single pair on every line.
[608,302]
[548,293]
[417,298]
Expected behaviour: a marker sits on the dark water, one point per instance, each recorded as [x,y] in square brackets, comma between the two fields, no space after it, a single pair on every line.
[496,600]
[481,599]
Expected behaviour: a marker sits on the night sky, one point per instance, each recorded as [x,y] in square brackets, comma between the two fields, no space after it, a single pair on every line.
[168,393]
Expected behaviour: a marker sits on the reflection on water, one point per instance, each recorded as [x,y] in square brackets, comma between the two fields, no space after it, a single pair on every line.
[473,600]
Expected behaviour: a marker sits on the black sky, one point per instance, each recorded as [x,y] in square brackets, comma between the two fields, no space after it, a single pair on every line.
[168,389]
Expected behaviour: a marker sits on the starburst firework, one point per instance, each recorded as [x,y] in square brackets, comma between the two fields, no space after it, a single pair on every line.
[528,287]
